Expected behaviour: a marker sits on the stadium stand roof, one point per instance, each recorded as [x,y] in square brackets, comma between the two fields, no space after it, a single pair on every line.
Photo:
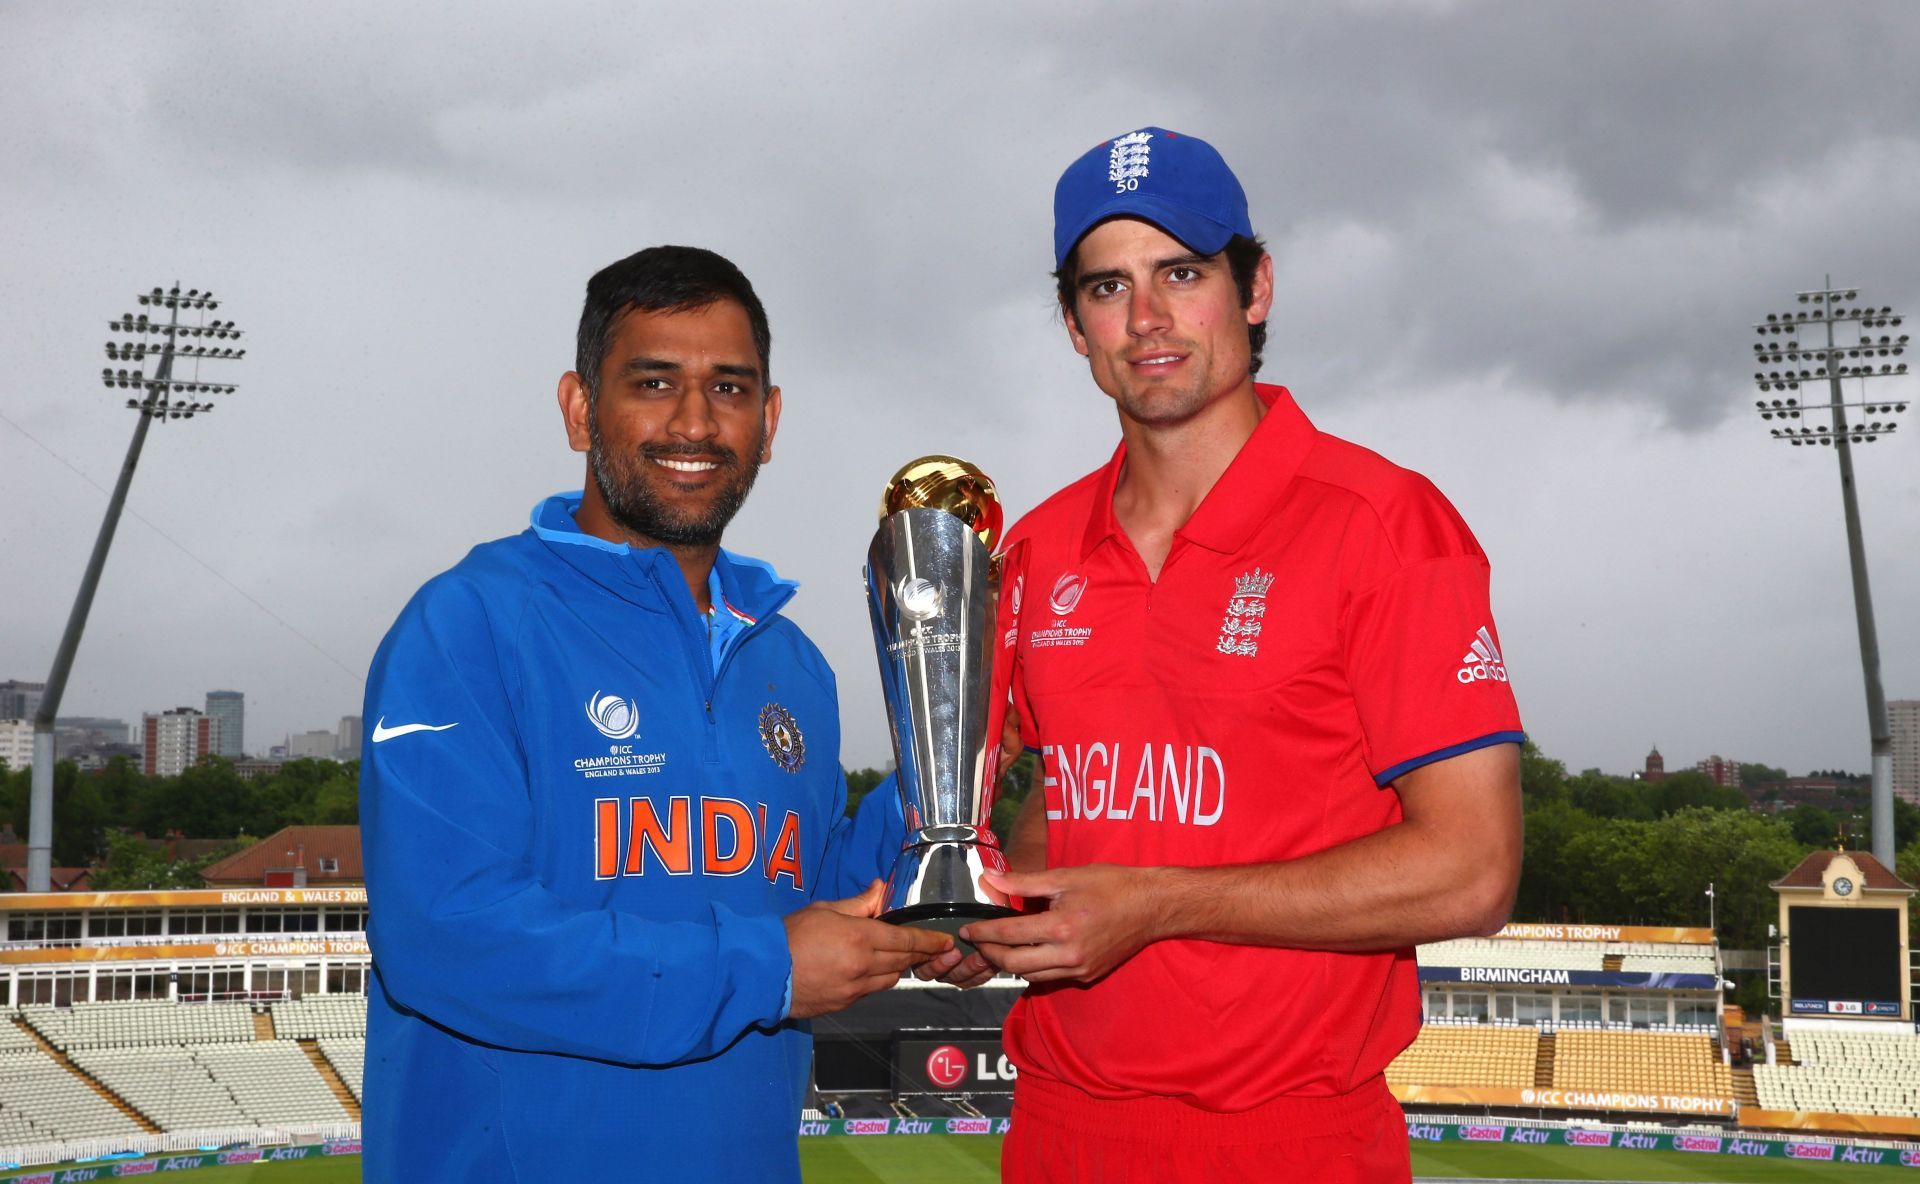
[1874,876]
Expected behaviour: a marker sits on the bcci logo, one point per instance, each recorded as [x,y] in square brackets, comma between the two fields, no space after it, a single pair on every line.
[782,738]
[616,718]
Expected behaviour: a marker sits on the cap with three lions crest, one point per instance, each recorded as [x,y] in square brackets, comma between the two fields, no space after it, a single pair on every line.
[1177,182]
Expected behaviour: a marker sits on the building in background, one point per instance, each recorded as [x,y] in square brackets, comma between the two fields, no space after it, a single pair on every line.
[1904,715]
[20,700]
[16,742]
[294,857]
[91,741]
[1721,771]
[230,708]
[174,741]
[1656,769]
[314,745]
[349,744]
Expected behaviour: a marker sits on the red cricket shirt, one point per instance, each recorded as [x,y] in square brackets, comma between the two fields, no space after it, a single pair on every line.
[1320,627]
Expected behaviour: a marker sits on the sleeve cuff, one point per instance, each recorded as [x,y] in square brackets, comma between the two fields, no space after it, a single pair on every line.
[1389,776]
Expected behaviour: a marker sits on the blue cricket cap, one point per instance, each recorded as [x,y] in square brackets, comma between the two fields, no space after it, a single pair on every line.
[1179,183]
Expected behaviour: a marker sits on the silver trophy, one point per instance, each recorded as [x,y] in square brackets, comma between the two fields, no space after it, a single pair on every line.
[932,587]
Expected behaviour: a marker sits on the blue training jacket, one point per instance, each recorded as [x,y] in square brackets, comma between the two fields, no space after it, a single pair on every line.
[580,840]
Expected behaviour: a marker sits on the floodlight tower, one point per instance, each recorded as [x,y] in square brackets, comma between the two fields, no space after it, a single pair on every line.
[1863,421]
[159,401]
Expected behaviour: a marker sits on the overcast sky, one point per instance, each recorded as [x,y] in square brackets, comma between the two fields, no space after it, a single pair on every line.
[1518,248]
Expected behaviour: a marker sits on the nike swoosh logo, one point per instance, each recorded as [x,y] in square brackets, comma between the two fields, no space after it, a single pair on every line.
[381,732]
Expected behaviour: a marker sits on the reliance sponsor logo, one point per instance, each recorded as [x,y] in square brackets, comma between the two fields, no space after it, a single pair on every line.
[1426,1132]
[1810,1005]
[1484,1134]
[1639,1142]
[866,1126]
[969,1126]
[1707,1143]
[1590,1138]
[1810,1151]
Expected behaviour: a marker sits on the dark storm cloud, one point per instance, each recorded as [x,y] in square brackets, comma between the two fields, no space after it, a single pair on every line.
[1517,245]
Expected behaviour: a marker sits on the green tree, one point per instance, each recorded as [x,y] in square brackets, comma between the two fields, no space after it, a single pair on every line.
[80,814]
[1691,788]
[206,801]
[1546,889]
[135,863]
[1906,823]
[1611,797]
[1542,779]
[860,783]
[1754,773]
[1016,782]
[1811,826]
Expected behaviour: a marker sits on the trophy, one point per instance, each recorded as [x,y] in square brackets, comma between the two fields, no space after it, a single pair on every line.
[932,587]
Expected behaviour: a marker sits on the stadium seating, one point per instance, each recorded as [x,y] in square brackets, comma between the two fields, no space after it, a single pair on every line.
[40,1101]
[1478,1055]
[1640,1062]
[1864,1070]
[271,1081]
[140,1024]
[183,1066]
[1540,955]
[321,1015]
[348,1056]
[167,1085]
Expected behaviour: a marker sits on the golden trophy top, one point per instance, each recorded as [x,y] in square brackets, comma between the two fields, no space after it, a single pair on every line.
[946,483]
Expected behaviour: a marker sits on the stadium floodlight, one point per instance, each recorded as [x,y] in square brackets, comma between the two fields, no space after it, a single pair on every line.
[1863,421]
[159,402]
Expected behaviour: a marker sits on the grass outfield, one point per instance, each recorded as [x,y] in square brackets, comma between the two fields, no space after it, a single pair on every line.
[975,1159]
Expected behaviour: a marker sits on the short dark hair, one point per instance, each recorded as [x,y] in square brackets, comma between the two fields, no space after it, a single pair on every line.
[1243,260]
[661,279]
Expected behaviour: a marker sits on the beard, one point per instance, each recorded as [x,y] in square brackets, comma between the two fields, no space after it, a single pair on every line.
[626,485]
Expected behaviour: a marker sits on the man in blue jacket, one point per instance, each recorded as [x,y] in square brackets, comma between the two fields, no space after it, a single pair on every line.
[608,867]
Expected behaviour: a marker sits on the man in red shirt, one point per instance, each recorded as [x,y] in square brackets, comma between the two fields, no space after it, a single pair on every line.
[1278,743]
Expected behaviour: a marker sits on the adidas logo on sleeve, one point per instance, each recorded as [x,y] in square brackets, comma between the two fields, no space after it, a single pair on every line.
[1483,661]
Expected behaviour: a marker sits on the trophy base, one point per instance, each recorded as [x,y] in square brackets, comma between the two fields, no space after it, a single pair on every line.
[937,885]
[947,918]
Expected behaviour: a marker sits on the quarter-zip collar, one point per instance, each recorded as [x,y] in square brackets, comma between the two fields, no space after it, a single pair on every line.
[650,578]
